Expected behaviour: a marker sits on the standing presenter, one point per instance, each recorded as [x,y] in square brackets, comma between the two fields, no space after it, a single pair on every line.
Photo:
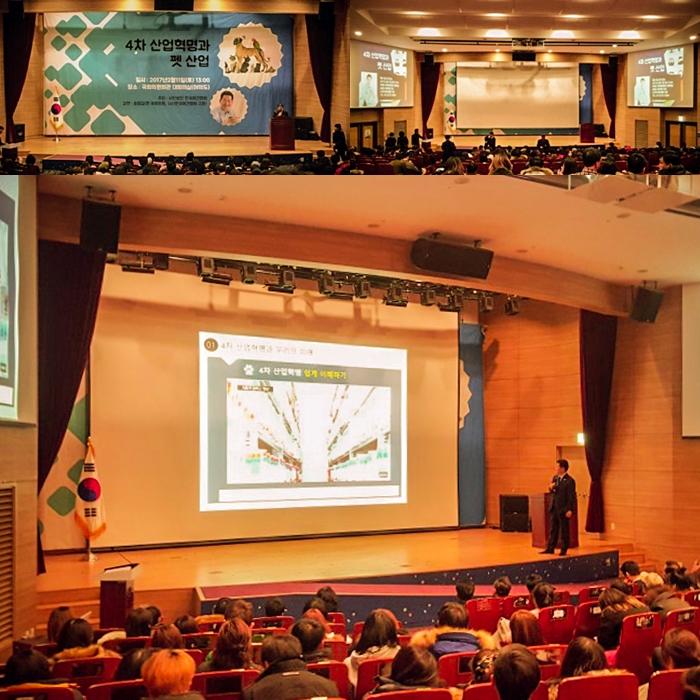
[561,508]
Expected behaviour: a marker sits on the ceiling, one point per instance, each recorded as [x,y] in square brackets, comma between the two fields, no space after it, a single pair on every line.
[407,23]
[613,230]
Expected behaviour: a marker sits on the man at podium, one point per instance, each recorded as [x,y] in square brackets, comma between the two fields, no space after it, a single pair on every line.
[561,509]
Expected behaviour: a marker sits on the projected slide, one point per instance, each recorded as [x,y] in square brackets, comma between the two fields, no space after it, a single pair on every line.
[380,76]
[291,424]
[8,296]
[661,78]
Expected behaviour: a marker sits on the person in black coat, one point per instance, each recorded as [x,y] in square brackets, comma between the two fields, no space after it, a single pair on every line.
[340,145]
[490,141]
[562,506]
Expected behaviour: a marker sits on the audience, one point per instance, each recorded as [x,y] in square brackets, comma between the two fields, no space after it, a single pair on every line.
[311,634]
[465,590]
[615,606]
[583,657]
[58,617]
[516,673]
[274,607]
[75,641]
[413,667]
[233,648]
[166,637]
[168,673]
[378,640]
[329,597]
[525,629]
[501,587]
[130,667]
[482,665]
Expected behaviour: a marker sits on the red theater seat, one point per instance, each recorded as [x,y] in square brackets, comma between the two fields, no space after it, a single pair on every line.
[123,645]
[118,690]
[418,694]
[587,619]
[640,634]
[335,671]
[283,621]
[621,686]
[481,691]
[557,623]
[589,593]
[512,603]
[666,685]
[484,613]
[39,692]
[366,672]
[223,685]
[687,619]
[86,672]
[338,647]
[693,598]
[455,669]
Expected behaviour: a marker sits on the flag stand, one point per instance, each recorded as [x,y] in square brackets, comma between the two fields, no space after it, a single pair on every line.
[89,554]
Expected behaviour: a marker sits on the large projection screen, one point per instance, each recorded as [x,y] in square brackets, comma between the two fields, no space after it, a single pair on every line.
[147,387]
[690,385]
[513,96]
[661,77]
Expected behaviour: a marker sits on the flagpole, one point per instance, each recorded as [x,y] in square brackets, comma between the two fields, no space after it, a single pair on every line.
[89,554]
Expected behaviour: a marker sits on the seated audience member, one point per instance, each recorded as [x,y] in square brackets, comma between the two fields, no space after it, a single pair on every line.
[75,641]
[311,634]
[615,606]
[583,657]
[543,597]
[670,164]
[536,167]
[472,168]
[329,597]
[619,584]
[452,634]
[525,629]
[516,673]
[30,166]
[482,666]
[679,649]
[240,608]
[568,167]
[607,167]
[166,637]
[662,599]
[500,164]
[285,676]
[26,666]
[591,159]
[630,571]
[501,587]
[168,673]
[636,165]
[533,580]
[377,641]
[130,667]
[274,607]
[681,581]
[465,590]
[186,624]
[691,684]
[138,622]
[648,579]
[58,617]
[317,616]
[412,668]
[453,166]
[233,648]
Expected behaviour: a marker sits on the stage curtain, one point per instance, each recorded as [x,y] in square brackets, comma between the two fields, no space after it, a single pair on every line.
[18,36]
[597,335]
[429,80]
[70,281]
[609,77]
[320,37]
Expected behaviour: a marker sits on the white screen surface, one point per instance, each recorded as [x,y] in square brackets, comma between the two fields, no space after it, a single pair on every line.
[690,391]
[511,96]
[661,77]
[292,424]
[380,76]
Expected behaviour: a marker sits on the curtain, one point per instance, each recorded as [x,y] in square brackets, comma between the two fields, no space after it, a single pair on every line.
[597,335]
[320,37]
[70,280]
[18,36]
[429,79]
[609,76]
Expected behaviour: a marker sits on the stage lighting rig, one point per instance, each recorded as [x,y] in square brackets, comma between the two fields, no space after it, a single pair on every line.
[512,306]
[209,272]
[394,296]
[454,302]
[248,271]
[286,284]
[363,289]
[146,263]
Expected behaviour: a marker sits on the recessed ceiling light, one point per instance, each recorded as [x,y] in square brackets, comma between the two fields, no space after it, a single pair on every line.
[693,37]
[549,50]
[497,34]
[602,51]
[496,14]
[498,50]
[630,34]
[651,16]
[614,46]
[358,33]
[428,31]
[573,16]
[562,34]
[415,13]
[444,50]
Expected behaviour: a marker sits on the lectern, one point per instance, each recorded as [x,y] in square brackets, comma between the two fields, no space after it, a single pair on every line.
[117,594]
[282,134]
[542,524]
[586,133]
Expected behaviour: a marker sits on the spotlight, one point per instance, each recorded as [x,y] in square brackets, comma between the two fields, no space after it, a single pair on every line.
[209,272]
[453,302]
[146,263]
[428,297]
[363,289]
[394,296]
[485,304]
[286,284]
[326,284]
[248,273]
[512,306]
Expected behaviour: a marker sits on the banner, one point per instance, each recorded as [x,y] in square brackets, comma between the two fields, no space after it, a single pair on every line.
[119,73]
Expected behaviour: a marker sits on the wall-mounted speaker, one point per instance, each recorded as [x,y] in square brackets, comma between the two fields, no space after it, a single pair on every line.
[465,261]
[429,59]
[646,304]
[515,513]
[524,56]
[99,226]
[173,5]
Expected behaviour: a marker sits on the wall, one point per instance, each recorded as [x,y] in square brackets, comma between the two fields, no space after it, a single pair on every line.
[532,398]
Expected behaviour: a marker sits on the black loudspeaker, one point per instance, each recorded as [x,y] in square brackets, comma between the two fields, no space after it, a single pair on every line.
[524,56]
[429,59]
[20,130]
[173,5]
[515,513]
[429,134]
[99,226]
[612,60]
[326,10]
[305,123]
[301,134]
[15,9]
[646,304]
[466,261]
[599,130]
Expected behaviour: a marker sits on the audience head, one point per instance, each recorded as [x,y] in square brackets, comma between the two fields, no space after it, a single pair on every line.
[329,597]
[465,587]
[75,633]
[316,603]
[621,585]
[607,167]
[629,570]
[131,665]
[453,615]
[680,581]
[26,666]
[536,161]
[500,160]
[280,648]
[167,637]
[240,608]
[525,628]
[636,164]
[168,672]
[532,580]
[156,616]
[590,157]
[543,595]
[317,616]
[616,600]
[502,586]
[669,159]
[233,649]
[454,166]
[691,684]
[650,579]
[310,634]
[569,167]
[516,673]
[482,665]
[58,617]
[415,666]
[274,607]
[582,655]
[680,649]
[186,624]
[471,168]
[138,622]
[379,631]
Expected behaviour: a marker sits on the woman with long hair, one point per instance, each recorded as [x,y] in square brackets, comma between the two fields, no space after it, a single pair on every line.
[615,606]
[378,640]
[233,648]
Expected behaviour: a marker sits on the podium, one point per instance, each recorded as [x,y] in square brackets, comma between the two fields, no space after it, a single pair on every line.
[586,133]
[117,594]
[282,134]
[542,525]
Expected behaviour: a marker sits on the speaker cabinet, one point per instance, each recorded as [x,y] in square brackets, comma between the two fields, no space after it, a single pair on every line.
[429,59]
[174,5]
[99,226]
[526,56]
[646,304]
[304,123]
[515,513]
[15,9]
[465,261]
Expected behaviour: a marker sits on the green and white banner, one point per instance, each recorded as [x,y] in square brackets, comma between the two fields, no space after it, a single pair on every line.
[114,73]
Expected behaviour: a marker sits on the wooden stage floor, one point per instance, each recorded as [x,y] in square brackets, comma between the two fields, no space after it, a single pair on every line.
[324,559]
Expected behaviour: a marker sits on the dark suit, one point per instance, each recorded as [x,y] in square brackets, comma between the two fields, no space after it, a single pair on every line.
[563,500]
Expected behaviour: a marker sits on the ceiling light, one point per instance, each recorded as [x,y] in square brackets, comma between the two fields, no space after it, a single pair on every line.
[693,37]
[428,31]
[209,272]
[496,14]
[630,34]
[573,16]
[614,46]
[497,34]
[651,16]
[415,13]
[358,33]
[549,50]
[498,50]
[453,302]
[326,284]
[602,51]
[444,50]
[485,303]
[562,34]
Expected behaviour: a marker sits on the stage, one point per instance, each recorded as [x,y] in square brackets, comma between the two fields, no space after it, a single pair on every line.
[181,579]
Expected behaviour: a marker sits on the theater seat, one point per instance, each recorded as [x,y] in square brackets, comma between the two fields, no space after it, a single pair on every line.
[640,634]
[223,685]
[86,672]
[688,619]
[512,603]
[366,672]
[283,621]
[38,691]
[666,685]
[693,598]
[417,694]
[117,690]
[484,613]
[589,593]
[338,647]
[587,619]
[384,169]
[335,671]
[480,691]
[557,623]
[621,686]
[456,669]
